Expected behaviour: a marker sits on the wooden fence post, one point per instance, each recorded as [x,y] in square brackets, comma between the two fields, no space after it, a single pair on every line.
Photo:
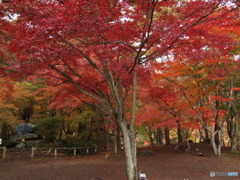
[55,153]
[32,155]
[74,152]
[4,152]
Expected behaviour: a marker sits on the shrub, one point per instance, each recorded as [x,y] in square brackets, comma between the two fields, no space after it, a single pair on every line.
[9,144]
[73,141]
[49,128]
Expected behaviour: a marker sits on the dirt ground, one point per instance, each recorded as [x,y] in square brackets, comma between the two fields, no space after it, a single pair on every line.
[162,163]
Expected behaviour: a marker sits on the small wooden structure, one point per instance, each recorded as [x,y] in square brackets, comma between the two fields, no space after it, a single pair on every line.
[88,150]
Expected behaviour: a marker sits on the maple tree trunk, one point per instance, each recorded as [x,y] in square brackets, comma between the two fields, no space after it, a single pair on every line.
[206,135]
[129,139]
[180,139]
[217,134]
[221,139]
[233,124]
[216,146]
[159,136]
[234,141]
[27,113]
[130,150]
[115,144]
[234,135]
[179,131]
[150,136]
[53,113]
[167,139]
[60,134]
[117,141]
[233,130]
[107,141]
[201,136]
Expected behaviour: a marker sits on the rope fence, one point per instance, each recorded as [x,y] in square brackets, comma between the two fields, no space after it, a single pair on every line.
[56,151]
[74,151]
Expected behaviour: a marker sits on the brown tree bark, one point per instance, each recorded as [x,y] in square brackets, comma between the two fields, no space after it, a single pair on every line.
[167,139]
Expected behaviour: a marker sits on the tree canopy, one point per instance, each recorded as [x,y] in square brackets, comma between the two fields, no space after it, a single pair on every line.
[109,53]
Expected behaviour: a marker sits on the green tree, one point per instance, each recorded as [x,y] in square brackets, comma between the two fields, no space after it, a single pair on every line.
[49,128]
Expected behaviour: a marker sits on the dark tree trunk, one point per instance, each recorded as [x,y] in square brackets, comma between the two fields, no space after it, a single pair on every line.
[232,124]
[167,139]
[216,129]
[119,135]
[206,134]
[179,132]
[159,136]
[150,137]
[60,134]
[53,113]
[27,114]
[206,138]
[5,131]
